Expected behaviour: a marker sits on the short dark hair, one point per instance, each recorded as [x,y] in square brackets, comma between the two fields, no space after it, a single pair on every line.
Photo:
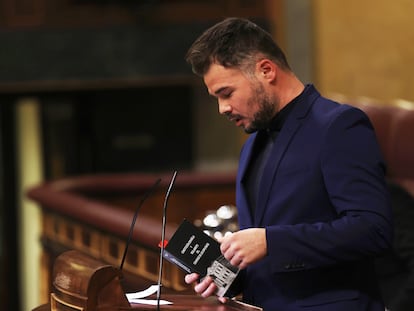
[233,42]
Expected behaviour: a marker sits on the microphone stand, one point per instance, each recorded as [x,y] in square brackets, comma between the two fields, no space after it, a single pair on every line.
[164,221]
[131,229]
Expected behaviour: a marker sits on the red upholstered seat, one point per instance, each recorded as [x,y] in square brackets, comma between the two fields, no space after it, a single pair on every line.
[394,126]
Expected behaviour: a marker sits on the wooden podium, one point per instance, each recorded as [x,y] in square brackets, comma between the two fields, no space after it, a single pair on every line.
[82,283]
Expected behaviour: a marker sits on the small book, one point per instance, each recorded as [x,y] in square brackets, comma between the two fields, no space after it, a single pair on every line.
[194,251]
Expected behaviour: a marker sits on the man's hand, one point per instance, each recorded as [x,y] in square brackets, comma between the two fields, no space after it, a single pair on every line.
[205,288]
[244,247]
[241,248]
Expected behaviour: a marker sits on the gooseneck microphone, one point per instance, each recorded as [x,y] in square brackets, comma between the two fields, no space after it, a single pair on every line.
[131,229]
[164,222]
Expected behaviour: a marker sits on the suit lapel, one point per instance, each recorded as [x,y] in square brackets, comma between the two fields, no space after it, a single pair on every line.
[270,171]
[289,130]
[243,205]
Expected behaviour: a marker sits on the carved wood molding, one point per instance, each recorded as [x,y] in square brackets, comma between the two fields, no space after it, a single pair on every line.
[91,214]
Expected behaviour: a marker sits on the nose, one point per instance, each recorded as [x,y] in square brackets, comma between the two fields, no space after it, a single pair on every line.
[223,107]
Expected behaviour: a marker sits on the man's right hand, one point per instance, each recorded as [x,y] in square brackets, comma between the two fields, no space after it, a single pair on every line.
[205,287]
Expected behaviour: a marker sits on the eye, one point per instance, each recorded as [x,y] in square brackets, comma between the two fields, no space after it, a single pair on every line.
[226,94]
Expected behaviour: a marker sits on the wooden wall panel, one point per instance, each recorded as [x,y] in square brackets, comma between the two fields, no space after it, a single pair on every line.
[364,47]
[92,13]
[17,13]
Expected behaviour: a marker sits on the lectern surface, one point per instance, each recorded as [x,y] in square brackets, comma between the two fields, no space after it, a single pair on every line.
[196,303]
[182,303]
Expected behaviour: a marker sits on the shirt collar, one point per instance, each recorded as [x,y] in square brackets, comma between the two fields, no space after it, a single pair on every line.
[279,119]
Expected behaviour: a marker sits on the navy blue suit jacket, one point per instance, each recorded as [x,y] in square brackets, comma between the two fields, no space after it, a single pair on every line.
[325,206]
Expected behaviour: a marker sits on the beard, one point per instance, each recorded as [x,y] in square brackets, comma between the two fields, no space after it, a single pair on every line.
[267,109]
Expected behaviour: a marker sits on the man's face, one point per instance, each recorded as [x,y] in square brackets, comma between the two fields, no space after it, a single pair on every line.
[242,99]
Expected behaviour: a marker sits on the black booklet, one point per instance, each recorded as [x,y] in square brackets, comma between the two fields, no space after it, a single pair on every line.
[194,251]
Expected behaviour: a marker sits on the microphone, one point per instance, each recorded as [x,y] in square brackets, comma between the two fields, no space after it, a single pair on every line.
[164,221]
[131,229]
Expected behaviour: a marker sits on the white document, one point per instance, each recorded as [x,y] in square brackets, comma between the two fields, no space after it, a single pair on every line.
[139,297]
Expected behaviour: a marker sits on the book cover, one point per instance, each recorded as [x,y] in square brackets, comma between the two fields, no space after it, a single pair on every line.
[194,251]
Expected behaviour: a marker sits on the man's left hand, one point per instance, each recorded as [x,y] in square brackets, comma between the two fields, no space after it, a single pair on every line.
[244,247]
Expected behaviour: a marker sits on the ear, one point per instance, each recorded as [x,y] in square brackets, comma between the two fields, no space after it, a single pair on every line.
[266,69]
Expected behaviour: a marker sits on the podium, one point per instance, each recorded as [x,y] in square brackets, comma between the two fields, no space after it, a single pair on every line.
[82,283]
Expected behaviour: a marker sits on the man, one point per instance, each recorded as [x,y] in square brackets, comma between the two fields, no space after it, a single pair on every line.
[310,191]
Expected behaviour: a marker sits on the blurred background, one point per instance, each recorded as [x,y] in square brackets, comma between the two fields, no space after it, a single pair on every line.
[101,86]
